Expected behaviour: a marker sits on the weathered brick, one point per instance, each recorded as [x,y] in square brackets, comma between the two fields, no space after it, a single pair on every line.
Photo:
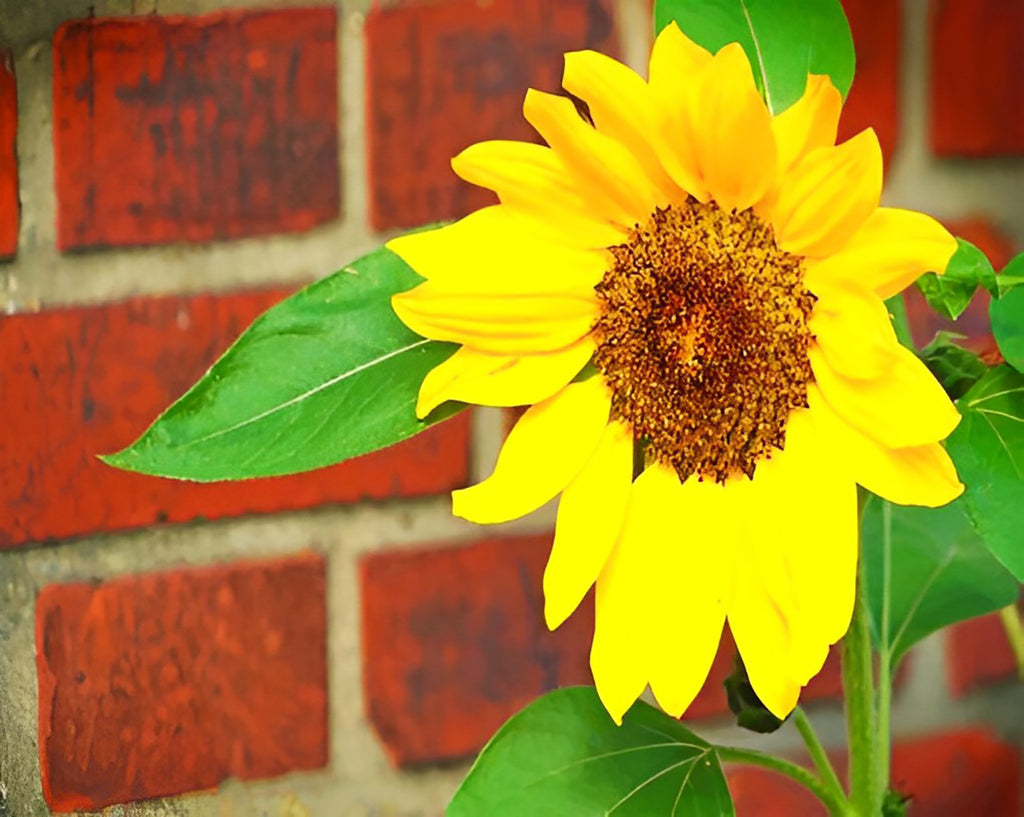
[977,98]
[967,772]
[454,643]
[974,322]
[164,683]
[194,128]
[874,97]
[443,75]
[75,383]
[978,654]
[8,157]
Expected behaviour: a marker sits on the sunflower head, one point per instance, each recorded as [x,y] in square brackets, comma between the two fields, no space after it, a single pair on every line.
[687,292]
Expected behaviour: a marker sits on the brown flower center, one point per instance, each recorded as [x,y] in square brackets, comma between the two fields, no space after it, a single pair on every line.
[703,338]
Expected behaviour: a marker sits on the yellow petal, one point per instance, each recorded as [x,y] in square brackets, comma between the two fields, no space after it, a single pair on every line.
[803,533]
[532,178]
[852,328]
[623,107]
[676,63]
[694,572]
[763,640]
[919,475]
[890,251]
[732,132]
[504,323]
[902,408]
[827,195]
[497,247]
[809,123]
[590,516]
[476,377]
[543,453]
[605,165]
[659,617]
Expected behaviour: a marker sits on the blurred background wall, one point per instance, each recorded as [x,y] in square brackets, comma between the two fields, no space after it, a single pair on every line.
[336,643]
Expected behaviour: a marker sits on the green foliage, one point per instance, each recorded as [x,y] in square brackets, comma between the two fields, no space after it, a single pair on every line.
[785,40]
[988,449]
[900,322]
[1012,274]
[750,712]
[956,368]
[562,755]
[328,374]
[949,294]
[1007,315]
[924,569]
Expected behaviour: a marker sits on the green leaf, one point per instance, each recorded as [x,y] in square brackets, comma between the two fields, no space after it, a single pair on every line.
[897,308]
[785,40]
[1012,274]
[956,368]
[1007,315]
[988,449]
[327,374]
[949,294]
[924,569]
[562,756]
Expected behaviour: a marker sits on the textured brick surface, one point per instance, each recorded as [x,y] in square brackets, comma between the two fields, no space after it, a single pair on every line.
[974,322]
[874,97]
[454,643]
[955,774]
[978,654]
[977,97]
[8,157]
[169,682]
[80,382]
[194,128]
[441,76]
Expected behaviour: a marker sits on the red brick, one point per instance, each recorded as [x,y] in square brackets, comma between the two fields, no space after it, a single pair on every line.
[974,322]
[170,682]
[443,75]
[194,128]
[967,772]
[874,96]
[978,654]
[454,643]
[81,382]
[8,157]
[977,98]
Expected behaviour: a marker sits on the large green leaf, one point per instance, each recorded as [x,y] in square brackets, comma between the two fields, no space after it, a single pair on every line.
[1012,274]
[563,757]
[988,449]
[327,374]
[924,569]
[949,294]
[1007,315]
[785,40]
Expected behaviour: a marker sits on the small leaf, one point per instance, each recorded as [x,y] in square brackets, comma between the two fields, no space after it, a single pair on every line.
[785,40]
[949,294]
[1012,274]
[988,449]
[326,375]
[562,756]
[1007,315]
[897,308]
[956,368]
[749,710]
[935,567]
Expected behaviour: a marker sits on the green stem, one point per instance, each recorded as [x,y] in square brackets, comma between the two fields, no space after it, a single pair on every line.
[883,733]
[1010,616]
[858,691]
[837,806]
[817,752]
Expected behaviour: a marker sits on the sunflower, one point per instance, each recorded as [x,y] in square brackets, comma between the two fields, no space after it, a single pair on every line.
[687,292]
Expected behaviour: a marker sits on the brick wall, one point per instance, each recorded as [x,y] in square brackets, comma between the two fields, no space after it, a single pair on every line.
[336,643]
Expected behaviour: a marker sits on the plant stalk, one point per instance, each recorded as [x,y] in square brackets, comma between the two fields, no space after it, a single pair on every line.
[817,752]
[836,804]
[858,692]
